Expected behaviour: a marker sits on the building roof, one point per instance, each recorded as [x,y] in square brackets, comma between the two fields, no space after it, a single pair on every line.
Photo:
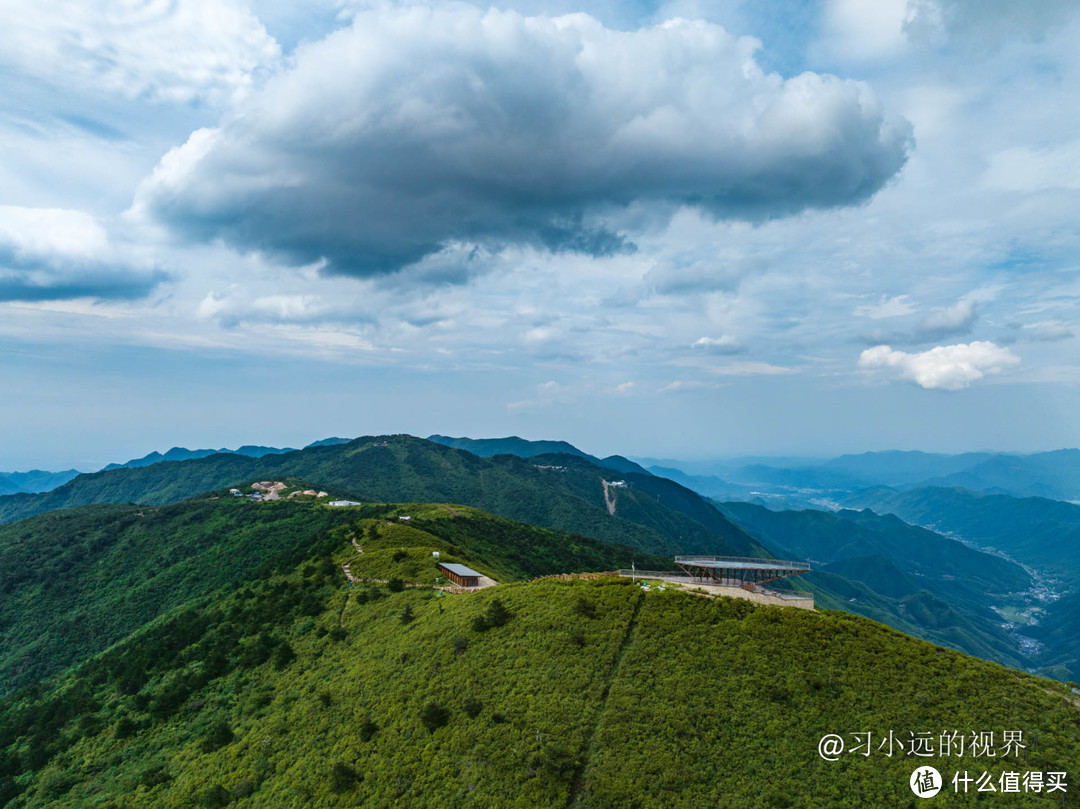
[460,570]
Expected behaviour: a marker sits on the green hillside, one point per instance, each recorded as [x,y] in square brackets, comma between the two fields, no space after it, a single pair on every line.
[402,468]
[1039,532]
[298,690]
[77,580]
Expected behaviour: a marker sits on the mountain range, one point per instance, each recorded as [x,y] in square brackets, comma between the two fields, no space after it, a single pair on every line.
[868,571]
[166,642]
[286,684]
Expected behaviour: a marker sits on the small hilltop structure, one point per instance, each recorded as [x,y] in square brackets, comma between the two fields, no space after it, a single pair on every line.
[463,578]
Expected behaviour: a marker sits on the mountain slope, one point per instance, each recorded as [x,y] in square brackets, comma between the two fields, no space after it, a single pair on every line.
[543,694]
[1058,629]
[1054,475]
[922,583]
[77,580]
[834,536]
[403,468]
[1033,530]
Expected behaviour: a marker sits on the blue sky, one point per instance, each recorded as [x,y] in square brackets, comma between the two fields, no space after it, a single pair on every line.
[687,229]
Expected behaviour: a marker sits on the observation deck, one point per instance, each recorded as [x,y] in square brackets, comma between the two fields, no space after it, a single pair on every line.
[737,571]
[737,576]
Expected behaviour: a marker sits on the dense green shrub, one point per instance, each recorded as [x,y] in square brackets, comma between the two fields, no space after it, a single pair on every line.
[367,730]
[495,615]
[433,716]
[219,735]
[472,707]
[343,778]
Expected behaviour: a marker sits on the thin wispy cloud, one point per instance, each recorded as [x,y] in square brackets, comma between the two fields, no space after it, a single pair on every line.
[181,51]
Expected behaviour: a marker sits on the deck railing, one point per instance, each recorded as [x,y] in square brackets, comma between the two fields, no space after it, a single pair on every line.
[773,564]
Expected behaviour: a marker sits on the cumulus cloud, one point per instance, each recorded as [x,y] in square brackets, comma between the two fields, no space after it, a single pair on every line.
[418,128]
[54,253]
[180,51]
[944,367]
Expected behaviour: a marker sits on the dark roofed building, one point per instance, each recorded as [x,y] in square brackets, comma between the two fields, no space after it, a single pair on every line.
[460,575]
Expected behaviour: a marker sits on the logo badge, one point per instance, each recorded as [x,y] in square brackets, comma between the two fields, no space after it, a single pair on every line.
[926,782]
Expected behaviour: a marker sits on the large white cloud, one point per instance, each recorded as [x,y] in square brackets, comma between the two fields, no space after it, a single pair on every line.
[55,253]
[419,128]
[945,367]
[176,50]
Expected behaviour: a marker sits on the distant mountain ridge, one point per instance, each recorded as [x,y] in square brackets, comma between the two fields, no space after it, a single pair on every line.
[34,481]
[185,454]
[1036,531]
[777,482]
[793,483]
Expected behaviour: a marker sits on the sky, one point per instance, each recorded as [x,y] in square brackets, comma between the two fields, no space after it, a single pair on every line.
[686,229]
